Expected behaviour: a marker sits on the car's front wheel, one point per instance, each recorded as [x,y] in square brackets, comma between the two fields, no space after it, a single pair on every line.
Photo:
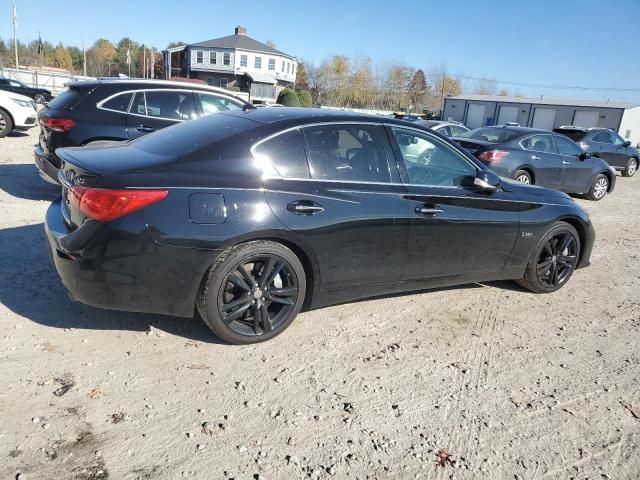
[599,188]
[632,168]
[6,125]
[253,292]
[553,261]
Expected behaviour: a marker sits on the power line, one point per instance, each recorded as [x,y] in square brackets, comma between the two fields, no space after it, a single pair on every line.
[540,85]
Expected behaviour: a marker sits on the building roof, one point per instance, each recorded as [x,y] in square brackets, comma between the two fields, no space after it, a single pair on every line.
[239,41]
[261,77]
[573,102]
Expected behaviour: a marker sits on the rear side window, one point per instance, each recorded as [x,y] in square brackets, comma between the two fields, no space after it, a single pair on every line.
[491,134]
[66,100]
[457,131]
[575,135]
[214,103]
[119,103]
[538,143]
[283,156]
[347,152]
[164,104]
[602,137]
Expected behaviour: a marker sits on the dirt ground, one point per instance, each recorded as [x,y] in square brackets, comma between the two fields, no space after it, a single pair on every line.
[514,385]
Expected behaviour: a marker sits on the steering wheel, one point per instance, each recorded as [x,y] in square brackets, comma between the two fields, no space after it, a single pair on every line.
[425,157]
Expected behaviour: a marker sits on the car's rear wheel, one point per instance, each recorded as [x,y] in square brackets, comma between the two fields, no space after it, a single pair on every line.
[553,261]
[6,124]
[599,188]
[523,176]
[253,292]
[39,98]
[632,168]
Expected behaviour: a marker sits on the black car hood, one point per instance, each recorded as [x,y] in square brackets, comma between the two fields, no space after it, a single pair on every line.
[534,193]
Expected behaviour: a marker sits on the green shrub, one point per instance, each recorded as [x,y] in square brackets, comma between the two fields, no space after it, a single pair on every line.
[288,98]
[305,98]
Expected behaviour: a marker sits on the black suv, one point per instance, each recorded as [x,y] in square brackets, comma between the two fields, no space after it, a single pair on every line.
[606,144]
[119,110]
[39,95]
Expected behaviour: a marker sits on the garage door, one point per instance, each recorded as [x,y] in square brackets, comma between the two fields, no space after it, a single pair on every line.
[586,118]
[544,118]
[508,114]
[475,115]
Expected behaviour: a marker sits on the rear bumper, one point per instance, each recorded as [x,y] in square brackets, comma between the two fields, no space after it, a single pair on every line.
[47,170]
[119,267]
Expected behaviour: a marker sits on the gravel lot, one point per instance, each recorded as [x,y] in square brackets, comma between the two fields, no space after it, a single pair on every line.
[514,385]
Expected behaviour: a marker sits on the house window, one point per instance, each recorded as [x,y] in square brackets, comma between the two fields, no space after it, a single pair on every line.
[199,56]
[226,58]
[258,62]
[288,65]
[223,82]
[212,58]
[272,64]
[243,61]
[282,66]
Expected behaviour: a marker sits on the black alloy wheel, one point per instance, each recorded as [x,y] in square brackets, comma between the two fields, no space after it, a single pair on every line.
[554,260]
[253,292]
[39,99]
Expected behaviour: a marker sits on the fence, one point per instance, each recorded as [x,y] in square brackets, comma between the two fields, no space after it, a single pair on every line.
[55,82]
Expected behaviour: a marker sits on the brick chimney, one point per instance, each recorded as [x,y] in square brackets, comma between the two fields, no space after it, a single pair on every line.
[241,30]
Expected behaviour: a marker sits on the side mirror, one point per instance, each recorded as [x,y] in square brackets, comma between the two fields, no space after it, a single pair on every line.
[486,181]
[627,144]
[584,156]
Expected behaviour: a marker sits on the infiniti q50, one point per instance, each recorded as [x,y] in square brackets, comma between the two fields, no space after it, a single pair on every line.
[247,217]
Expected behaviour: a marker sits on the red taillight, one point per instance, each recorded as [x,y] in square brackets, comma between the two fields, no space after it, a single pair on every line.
[493,156]
[58,124]
[104,205]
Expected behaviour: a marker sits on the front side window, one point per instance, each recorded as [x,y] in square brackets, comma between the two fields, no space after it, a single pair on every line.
[15,84]
[213,58]
[283,156]
[567,147]
[431,162]
[349,152]
[169,105]
[214,104]
[243,60]
[119,103]
[258,62]
[617,140]
[199,56]
[603,137]
[538,143]
[457,131]
[272,64]
[226,58]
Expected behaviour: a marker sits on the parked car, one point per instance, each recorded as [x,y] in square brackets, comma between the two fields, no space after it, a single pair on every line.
[540,157]
[17,112]
[39,95]
[117,110]
[448,129]
[607,145]
[249,216]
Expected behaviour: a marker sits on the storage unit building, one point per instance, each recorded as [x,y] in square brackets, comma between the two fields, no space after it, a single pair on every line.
[545,112]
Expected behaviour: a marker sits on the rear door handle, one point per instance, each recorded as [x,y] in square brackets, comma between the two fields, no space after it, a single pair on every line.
[145,128]
[305,207]
[428,211]
[564,162]
[535,157]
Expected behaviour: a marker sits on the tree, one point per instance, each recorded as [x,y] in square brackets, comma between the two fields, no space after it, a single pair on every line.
[288,98]
[333,80]
[270,43]
[176,44]
[62,58]
[418,90]
[504,93]
[302,78]
[486,87]
[305,98]
[362,91]
[441,85]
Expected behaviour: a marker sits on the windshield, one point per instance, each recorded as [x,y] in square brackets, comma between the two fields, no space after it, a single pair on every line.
[491,134]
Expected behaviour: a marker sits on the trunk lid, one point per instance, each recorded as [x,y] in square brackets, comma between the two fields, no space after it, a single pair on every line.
[473,146]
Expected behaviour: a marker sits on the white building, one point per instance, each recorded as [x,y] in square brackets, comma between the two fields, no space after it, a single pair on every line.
[234,61]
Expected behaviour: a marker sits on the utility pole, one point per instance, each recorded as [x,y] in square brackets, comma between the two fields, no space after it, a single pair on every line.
[15,34]
[151,64]
[444,76]
[144,62]
[84,58]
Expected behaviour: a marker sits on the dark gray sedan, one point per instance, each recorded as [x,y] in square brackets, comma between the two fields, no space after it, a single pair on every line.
[540,157]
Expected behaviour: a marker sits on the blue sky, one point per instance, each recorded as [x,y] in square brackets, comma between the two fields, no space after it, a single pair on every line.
[590,43]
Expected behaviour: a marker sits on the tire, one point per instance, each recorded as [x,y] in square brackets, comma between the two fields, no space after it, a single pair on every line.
[236,314]
[39,99]
[6,124]
[539,271]
[523,176]
[631,169]
[599,188]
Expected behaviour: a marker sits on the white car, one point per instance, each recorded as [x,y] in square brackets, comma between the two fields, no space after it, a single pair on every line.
[17,112]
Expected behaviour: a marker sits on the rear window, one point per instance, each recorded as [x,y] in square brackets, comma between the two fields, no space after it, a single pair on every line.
[187,137]
[491,134]
[66,100]
[575,135]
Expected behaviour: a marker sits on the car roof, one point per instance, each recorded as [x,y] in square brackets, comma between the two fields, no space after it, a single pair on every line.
[522,130]
[295,115]
[140,83]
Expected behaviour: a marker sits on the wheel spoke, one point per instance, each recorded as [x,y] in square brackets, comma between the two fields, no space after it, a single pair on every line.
[228,319]
[543,267]
[275,270]
[238,282]
[266,271]
[247,276]
[567,240]
[244,300]
[567,260]
[257,318]
[554,274]
[266,319]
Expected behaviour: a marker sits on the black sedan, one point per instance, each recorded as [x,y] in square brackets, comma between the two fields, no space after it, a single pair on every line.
[39,95]
[540,157]
[250,216]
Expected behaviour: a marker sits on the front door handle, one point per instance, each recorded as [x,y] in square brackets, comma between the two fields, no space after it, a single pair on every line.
[305,207]
[145,128]
[428,211]
[535,157]
[564,162]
